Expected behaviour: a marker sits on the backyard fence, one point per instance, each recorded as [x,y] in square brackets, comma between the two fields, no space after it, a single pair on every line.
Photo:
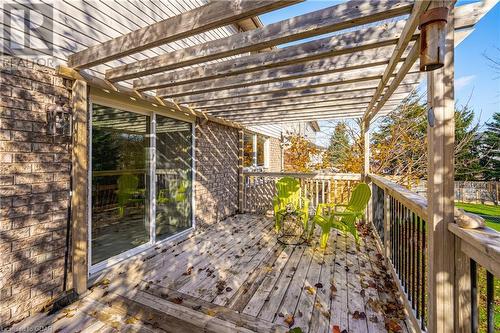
[469,191]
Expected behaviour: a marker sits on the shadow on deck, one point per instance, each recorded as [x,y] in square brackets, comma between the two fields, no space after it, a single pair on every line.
[236,277]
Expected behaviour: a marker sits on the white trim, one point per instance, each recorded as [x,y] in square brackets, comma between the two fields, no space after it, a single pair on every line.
[267,152]
[152,179]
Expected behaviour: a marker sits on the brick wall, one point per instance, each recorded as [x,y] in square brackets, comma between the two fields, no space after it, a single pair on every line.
[274,155]
[216,185]
[34,191]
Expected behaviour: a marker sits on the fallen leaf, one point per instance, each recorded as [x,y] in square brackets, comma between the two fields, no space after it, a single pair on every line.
[335,329]
[392,326]
[131,320]
[188,271]
[289,320]
[359,315]
[319,285]
[197,307]
[310,290]
[295,330]
[229,289]
[178,300]
[211,312]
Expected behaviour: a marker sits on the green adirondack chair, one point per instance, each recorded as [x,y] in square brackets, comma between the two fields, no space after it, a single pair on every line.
[342,217]
[127,189]
[288,192]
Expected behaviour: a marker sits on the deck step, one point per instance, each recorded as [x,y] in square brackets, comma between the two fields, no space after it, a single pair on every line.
[176,312]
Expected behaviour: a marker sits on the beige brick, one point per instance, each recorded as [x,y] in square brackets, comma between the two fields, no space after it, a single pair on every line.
[15,168]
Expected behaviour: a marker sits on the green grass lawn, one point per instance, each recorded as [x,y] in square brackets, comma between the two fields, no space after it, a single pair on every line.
[484,210]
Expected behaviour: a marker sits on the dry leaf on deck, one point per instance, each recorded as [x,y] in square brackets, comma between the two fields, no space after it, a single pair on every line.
[289,320]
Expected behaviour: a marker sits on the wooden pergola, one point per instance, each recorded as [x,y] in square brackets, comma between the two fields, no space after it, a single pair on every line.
[364,68]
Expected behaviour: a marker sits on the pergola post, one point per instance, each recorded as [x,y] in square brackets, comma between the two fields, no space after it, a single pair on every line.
[79,195]
[366,164]
[440,192]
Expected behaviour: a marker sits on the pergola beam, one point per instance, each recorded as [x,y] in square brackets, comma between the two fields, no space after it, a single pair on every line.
[407,65]
[405,38]
[355,41]
[338,17]
[210,16]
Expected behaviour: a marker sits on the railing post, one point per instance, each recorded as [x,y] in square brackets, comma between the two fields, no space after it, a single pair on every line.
[462,290]
[440,192]
[387,225]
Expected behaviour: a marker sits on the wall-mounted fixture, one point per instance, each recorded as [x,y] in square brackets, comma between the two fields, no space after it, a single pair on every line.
[59,118]
[432,38]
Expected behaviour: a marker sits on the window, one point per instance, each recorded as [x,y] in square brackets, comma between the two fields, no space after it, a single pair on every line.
[255,150]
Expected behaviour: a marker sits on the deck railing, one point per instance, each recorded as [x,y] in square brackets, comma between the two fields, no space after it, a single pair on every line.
[399,217]
[259,188]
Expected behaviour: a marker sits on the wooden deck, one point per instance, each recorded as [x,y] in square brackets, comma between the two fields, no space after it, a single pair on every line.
[236,277]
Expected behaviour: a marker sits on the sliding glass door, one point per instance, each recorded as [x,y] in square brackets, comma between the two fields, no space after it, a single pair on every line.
[141,181]
[173,176]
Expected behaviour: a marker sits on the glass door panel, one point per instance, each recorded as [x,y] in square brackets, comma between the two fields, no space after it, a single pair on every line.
[173,176]
[120,182]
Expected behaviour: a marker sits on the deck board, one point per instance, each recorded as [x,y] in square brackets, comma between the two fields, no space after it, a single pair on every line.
[266,284]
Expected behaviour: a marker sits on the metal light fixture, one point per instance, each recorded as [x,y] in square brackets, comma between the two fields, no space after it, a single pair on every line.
[432,38]
[59,118]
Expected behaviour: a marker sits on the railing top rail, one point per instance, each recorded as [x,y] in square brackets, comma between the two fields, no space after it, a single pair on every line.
[482,245]
[306,175]
[412,200]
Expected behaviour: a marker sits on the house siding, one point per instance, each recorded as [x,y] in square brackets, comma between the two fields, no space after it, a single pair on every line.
[216,183]
[34,190]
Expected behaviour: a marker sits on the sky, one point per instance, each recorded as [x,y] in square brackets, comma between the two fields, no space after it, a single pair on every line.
[475,81]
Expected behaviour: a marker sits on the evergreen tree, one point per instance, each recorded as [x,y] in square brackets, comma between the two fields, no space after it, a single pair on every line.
[467,145]
[339,145]
[490,149]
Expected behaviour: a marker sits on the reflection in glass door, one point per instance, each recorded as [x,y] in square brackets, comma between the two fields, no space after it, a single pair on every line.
[120,182]
[173,176]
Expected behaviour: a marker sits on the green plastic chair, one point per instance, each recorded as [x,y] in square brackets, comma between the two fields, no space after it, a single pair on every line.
[346,219]
[127,188]
[288,192]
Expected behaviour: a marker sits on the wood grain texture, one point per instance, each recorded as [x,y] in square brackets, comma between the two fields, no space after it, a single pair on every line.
[79,197]
[212,15]
[342,16]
